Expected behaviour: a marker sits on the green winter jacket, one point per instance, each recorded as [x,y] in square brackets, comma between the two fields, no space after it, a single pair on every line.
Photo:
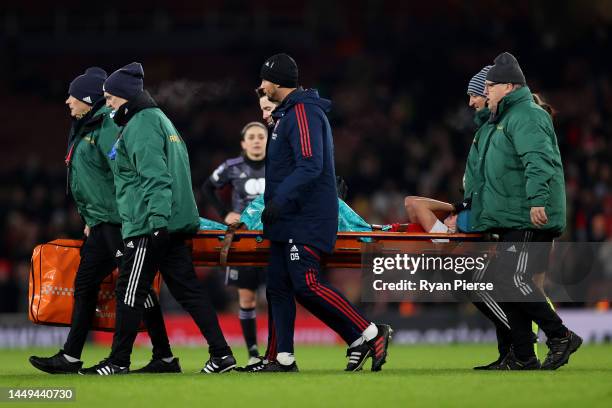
[152,174]
[479,144]
[89,173]
[521,168]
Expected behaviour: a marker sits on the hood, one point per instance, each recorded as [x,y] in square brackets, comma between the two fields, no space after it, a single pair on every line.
[143,100]
[305,96]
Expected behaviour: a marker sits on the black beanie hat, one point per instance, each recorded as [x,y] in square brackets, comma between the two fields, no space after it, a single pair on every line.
[506,70]
[280,69]
[126,82]
[88,87]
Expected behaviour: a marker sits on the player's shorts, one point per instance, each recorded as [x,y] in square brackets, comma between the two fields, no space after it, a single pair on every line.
[245,277]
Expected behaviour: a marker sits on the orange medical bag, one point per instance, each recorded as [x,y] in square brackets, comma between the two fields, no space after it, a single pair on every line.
[51,289]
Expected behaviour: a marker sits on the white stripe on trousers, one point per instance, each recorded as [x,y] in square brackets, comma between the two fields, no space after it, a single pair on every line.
[524,270]
[138,271]
[134,266]
[516,272]
[521,267]
[149,302]
[130,293]
[480,273]
[494,307]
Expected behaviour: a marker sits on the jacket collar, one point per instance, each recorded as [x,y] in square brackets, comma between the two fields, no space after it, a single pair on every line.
[287,103]
[139,102]
[92,120]
[520,95]
[89,121]
[256,164]
[94,117]
[481,116]
[301,95]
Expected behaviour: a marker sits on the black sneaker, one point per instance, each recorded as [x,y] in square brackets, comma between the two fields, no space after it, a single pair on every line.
[510,362]
[357,356]
[254,364]
[276,367]
[219,364]
[159,366]
[491,366]
[105,367]
[379,346]
[57,364]
[560,349]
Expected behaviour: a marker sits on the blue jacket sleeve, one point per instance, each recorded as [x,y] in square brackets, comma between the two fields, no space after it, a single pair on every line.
[306,141]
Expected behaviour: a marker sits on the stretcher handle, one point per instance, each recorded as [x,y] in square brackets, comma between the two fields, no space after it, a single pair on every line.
[227,241]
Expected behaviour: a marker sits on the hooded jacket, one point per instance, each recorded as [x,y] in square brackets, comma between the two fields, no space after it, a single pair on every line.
[152,173]
[300,175]
[520,168]
[89,174]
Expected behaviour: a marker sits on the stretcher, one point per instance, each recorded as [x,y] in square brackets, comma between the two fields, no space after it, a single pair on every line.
[236,247]
[54,265]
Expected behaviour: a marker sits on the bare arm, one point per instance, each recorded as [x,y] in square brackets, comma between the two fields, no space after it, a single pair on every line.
[426,211]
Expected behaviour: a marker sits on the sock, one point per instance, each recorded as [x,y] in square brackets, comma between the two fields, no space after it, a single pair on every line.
[360,340]
[249,329]
[70,358]
[370,332]
[535,329]
[439,227]
[285,358]
[168,359]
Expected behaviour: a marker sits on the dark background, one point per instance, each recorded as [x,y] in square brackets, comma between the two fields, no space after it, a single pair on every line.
[396,71]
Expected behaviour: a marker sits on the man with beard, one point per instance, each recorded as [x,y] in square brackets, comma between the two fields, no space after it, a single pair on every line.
[301,221]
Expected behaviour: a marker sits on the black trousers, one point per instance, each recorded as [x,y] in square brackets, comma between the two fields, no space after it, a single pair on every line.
[485,302]
[100,255]
[520,255]
[495,313]
[141,261]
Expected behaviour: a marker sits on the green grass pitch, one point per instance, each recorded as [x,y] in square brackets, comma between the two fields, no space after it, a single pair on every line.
[414,376]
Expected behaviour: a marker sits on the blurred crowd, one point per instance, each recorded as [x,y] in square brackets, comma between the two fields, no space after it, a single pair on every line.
[397,76]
